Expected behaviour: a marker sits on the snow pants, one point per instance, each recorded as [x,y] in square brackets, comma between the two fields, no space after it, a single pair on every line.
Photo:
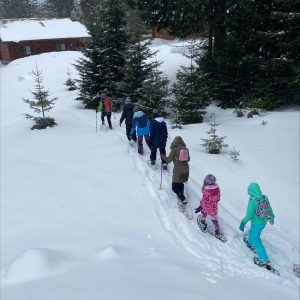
[255,241]
[108,116]
[178,189]
[140,143]
[214,219]
[129,136]
[154,151]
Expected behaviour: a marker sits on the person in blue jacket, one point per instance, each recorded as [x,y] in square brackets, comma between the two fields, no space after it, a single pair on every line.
[140,124]
[158,138]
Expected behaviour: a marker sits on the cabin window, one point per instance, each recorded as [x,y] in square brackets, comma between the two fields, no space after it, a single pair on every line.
[25,50]
[60,47]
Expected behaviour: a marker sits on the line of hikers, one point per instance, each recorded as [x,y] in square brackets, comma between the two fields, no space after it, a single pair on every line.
[139,127]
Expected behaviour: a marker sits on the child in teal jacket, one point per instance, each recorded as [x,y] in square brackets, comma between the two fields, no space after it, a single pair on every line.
[258,222]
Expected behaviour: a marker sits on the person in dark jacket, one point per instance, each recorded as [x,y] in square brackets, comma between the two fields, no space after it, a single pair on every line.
[127,115]
[181,168]
[158,138]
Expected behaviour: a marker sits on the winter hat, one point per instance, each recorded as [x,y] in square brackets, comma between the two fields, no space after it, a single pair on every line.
[128,100]
[209,179]
[155,114]
[103,96]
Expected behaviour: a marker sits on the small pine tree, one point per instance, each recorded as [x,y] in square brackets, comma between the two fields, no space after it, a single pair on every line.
[214,144]
[41,104]
[234,155]
[70,83]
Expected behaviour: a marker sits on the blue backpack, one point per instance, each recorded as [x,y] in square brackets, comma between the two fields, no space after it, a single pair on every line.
[263,209]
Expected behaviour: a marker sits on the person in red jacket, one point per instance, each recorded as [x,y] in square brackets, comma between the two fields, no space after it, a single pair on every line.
[105,106]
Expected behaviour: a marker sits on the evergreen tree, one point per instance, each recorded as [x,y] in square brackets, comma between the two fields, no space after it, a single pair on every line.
[143,81]
[102,68]
[215,143]
[155,91]
[58,8]
[10,9]
[89,9]
[70,83]
[41,103]
[188,105]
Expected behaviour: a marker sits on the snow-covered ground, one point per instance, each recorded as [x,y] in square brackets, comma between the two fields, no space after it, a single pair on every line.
[82,215]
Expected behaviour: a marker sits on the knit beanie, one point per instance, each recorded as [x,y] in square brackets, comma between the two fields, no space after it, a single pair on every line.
[103,96]
[128,100]
[155,114]
[209,179]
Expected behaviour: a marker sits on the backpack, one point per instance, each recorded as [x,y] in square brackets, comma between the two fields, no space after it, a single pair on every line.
[183,154]
[263,209]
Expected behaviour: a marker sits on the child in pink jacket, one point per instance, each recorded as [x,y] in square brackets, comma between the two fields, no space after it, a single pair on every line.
[209,203]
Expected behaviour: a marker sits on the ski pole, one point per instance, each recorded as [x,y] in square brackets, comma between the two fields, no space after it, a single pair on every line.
[161,168]
[96,123]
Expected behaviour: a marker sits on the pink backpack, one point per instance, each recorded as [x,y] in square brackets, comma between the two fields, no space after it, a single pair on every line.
[184,154]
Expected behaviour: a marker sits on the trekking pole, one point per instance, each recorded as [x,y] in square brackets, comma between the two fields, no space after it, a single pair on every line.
[96,123]
[161,171]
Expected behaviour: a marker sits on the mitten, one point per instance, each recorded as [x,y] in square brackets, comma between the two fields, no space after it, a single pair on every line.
[242,226]
[197,210]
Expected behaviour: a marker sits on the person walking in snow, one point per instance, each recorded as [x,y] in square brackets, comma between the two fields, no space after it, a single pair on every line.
[158,138]
[180,170]
[105,107]
[259,212]
[140,125]
[127,115]
[209,203]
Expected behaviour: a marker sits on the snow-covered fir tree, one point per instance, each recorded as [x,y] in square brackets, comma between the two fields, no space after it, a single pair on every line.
[156,91]
[143,80]
[102,68]
[58,8]
[40,103]
[215,143]
[189,105]
[70,83]
[18,9]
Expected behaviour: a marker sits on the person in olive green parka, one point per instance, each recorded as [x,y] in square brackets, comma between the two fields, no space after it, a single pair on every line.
[180,170]
[257,223]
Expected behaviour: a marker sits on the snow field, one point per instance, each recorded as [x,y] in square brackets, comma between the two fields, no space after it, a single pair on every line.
[85,211]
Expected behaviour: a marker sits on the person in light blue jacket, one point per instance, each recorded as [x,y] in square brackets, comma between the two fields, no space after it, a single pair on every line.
[259,215]
[141,124]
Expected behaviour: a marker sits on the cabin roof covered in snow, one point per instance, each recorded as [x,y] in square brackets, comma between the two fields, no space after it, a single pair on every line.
[15,30]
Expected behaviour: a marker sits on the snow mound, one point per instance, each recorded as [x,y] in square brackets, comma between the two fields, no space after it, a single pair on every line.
[108,253]
[33,264]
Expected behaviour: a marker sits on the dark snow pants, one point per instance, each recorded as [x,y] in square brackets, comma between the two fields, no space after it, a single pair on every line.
[140,143]
[154,151]
[108,116]
[130,136]
[178,189]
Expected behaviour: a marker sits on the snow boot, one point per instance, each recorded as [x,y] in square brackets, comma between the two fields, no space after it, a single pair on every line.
[202,224]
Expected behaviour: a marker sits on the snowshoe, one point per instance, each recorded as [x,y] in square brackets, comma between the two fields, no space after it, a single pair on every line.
[184,208]
[219,235]
[245,239]
[296,270]
[202,225]
[267,266]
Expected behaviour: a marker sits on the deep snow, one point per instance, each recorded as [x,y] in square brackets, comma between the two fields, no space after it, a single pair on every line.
[82,215]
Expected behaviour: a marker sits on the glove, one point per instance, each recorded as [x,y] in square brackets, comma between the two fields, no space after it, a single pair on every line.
[271,221]
[242,226]
[197,210]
